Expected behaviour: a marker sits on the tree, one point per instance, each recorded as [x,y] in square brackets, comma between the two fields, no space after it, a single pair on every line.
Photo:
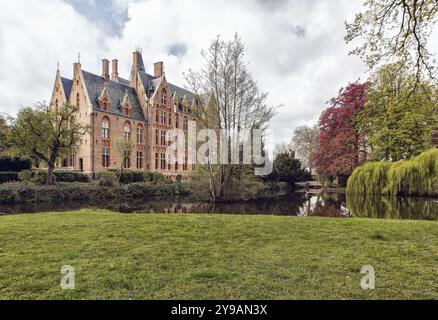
[124,148]
[396,30]
[400,117]
[304,143]
[236,102]
[46,135]
[289,169]
[3,134]
[339,146]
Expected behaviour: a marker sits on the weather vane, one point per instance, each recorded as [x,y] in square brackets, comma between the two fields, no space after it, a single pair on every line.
[79,57]
[57,66]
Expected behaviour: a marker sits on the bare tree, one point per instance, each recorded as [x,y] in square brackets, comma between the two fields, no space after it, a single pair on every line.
[396,30]
[236,102]
[304,143]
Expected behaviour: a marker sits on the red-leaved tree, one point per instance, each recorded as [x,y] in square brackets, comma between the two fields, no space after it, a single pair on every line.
[339,146]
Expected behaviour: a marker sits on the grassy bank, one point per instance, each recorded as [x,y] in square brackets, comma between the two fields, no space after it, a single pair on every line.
[214,257]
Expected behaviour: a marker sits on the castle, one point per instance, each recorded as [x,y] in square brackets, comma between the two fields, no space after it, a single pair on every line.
[139,110]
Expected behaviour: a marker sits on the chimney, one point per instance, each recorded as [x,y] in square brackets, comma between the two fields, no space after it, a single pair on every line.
[115,73]
[105,70]
[137,60]
[158,69]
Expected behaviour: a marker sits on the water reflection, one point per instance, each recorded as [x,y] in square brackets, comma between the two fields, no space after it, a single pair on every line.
[299,204]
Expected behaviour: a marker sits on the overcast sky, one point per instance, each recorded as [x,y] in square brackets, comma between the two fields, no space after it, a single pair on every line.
[295,48]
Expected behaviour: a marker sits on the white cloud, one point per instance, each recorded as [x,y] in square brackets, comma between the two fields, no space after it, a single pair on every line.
[295,48]
[34,36]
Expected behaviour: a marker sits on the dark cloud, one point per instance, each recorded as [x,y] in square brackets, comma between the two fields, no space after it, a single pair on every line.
[109,18]
[299,31]
[272,4]
[177,49]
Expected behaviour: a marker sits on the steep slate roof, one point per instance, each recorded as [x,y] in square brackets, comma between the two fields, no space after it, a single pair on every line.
[151,83]
[67,84]
[116,91]
[147,81]
[124,82]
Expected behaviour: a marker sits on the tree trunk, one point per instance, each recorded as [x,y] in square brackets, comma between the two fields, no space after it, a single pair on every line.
[50,169]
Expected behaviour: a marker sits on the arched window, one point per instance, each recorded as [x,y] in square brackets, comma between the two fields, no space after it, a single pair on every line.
[127,131]
[105,105]
[56,106]
[139,134]
[105,128]
[163,97]
[78,100]
[105,157]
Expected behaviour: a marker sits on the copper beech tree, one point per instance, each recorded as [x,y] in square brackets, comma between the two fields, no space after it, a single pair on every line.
[340,148]
[41,133]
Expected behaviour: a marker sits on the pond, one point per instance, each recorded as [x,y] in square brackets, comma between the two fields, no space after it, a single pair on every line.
[335,205]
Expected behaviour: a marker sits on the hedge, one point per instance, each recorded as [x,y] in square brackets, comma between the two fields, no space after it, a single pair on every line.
[40,176]
[70,176]
[131,176]
[14,164]
[8,176]
[15,192]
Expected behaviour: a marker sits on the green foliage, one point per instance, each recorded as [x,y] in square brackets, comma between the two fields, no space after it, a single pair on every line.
[400,116]
[390,30]
[40,177]
[70,176]
[418,176]
[288,169]
[107,178]
[8,177]
[134,176]
[14,164]
[45,135]
[15,192]
[25,176]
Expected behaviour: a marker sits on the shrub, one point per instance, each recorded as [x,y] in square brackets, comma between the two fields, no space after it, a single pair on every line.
[179,177]
[8,177]
[14,164]
[418,176]
[107,178]
[157,177]
[70,176]
[25,176]
[40,177]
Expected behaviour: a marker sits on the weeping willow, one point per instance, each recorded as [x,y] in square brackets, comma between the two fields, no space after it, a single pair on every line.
[418,176]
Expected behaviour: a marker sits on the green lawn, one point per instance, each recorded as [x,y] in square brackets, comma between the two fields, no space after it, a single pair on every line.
[119,256]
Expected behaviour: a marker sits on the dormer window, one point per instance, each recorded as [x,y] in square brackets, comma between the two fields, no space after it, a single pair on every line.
[126,111]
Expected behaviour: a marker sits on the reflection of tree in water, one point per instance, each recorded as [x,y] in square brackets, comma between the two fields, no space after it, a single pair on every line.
[326,205]
[393,207]
[298,204]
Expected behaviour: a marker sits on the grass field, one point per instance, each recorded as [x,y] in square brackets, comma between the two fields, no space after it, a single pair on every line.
[118,256]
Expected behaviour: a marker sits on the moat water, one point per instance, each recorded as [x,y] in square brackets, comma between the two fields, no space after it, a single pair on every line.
[335,205]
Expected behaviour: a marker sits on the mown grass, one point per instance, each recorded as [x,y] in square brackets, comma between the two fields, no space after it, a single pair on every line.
[118,256]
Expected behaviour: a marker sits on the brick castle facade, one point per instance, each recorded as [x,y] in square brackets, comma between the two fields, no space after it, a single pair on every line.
[139,110]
